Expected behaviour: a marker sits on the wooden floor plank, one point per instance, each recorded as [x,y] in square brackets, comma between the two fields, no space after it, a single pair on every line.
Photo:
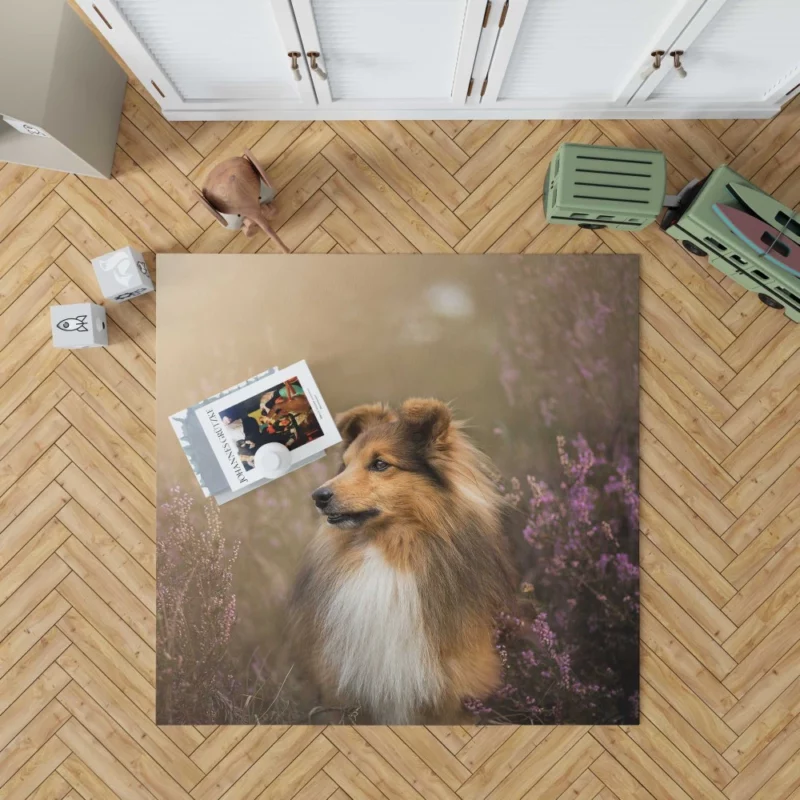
[352,783]
[31,738]
[663,497]
[714,730]
[494,152]
[37,770]
[663,137]
[299,772]
[38,295]
[19,278]
[31,556]
[152,197]
[706,144]
[503,762]
[371,763]
[32,592]
[12,176]
[31,666]
[691,635]
[640,765]
[761,732]
[209,135]
[421,164]
[297,154]
[685,592]
[685,413]
[110,625]
[160,132]
[109,588]
[525,778]
[685,449]
[406,216]
[30,630]
[105,769]
[126,569]
[364,219]
[508,173]
[129,355]
[110,480]
[771,759]
[226,773]
[666,725]
[30,230]
[437,143]
[675,655]
[769,614]
[83,781]
[123,711]
[684,375]
[761,696]
[26,198]
[119,744]
[144,153]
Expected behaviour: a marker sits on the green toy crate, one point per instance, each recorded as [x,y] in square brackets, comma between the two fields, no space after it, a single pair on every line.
[695,224]
[605,187]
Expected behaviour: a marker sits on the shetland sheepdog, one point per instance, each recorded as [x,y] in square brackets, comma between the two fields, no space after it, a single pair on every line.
[392,609]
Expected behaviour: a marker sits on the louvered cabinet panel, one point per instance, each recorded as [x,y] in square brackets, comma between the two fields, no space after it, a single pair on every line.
[229,50]
[206,53]
[389,52]
[748,51]
[582,51]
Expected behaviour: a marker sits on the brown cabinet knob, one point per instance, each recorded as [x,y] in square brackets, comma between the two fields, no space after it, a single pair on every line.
[295,67]
[312,57]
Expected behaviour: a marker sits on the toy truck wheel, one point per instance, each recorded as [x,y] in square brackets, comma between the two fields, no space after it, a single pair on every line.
[769,301]
[592,226]
[693,248]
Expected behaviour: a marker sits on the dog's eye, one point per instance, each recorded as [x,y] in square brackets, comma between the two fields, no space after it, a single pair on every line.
[379,466]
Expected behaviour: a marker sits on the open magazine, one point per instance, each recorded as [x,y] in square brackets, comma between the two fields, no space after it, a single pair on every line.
[221,435]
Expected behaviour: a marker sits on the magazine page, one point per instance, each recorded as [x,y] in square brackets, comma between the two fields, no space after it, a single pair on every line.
[284,407]
[228,495]
[197,447]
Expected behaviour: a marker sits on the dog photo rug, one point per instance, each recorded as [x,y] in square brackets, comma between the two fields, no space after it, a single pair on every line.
[468,554]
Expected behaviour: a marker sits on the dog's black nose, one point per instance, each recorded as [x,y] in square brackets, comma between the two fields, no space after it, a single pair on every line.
[322,496]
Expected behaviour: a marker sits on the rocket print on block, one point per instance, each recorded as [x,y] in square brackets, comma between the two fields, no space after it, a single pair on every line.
[78,325]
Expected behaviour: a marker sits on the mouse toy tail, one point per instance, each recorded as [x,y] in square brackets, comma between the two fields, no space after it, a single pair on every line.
[270,231]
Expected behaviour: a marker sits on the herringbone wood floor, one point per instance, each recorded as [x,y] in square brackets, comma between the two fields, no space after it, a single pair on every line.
[720,477]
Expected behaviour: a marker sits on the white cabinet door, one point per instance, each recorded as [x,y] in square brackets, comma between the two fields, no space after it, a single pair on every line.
[735,51]
[207,54]
[391,54]
[554,53]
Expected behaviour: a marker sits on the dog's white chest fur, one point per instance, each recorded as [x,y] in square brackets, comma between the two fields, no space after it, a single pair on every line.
[375,642]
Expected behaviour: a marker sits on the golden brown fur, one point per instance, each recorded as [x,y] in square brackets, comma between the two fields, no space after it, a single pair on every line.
[415,504]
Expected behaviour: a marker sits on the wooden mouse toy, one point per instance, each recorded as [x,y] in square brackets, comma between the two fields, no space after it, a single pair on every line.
[233,187]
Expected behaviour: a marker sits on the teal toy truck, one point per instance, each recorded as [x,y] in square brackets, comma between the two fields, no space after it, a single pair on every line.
[605,187]
[625,189]
[700,230]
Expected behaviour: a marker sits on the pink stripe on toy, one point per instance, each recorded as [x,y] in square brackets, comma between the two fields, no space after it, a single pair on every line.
[764,239]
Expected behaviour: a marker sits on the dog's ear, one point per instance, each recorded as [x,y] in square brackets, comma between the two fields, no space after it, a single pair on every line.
[428,420]
[355,421]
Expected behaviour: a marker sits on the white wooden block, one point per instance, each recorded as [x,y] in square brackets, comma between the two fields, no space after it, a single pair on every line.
[122,274]
[79,325]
